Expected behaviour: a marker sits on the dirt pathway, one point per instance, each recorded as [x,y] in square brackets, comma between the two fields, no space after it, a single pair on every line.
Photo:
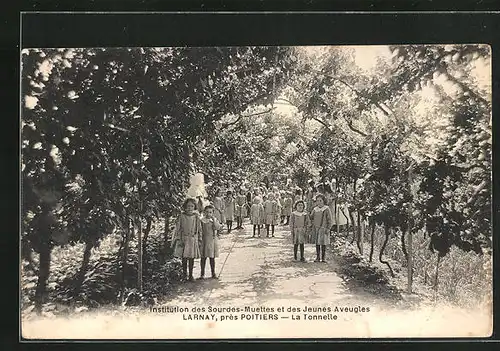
[261,271]
[263,293]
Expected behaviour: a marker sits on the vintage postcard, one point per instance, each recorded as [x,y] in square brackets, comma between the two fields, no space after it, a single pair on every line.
[256,192]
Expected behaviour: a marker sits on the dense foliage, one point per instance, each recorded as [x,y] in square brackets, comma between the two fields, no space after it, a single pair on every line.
[111,136]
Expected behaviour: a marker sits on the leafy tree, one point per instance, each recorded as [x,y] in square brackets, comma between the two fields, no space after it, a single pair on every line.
[115,131]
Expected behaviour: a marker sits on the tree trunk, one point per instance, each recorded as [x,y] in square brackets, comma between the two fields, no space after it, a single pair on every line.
[403,245]
[139,246]
[84,267]
[337,187]
[347,218]
[43,275]
[139,256]
[410,261]
[436,277]
[372,240]
[147,230]
[387,233]
[165,239]
[359,236]
[27,254]
[354,226]
[166,230]
[126,240]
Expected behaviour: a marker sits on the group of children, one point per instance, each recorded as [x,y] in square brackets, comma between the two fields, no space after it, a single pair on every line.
[267,208]
[308,215]
[197,232]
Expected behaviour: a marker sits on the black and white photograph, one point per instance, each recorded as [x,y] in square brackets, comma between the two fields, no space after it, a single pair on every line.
[337,191]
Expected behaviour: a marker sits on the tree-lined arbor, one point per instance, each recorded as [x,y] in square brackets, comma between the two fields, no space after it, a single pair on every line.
[109,134]
[110,137]
[379,136]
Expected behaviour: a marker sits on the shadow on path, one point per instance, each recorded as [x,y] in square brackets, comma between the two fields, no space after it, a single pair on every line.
[258,270]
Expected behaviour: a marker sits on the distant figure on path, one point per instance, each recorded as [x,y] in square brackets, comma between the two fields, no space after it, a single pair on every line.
[229,210]
[286,211]
[257,215]
[249,198]
[310,196]
[272,213]
[240,208]
[219,208]
[298,195]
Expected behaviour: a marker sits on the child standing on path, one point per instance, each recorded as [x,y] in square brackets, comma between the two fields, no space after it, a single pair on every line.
[209,247]
[287,207]
[321,218]
[241,209]
[256,215]
[229,209]
[187,237]
[219,209]
[271,213]
[299,223]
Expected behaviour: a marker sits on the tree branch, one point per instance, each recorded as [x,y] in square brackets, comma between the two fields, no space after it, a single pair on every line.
[349,123]
[360,94]
[354,129]
[356,91]
[473,197]
[224,126]
[465,88]
[327,126]
[286,100]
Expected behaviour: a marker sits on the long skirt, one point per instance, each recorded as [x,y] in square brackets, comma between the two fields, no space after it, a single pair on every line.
[299,236]
[219,214]
[271,219]
[229,214]
[257,220]
[210,247]
[286,211]
[190,249]
[321,236]
[241,211]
